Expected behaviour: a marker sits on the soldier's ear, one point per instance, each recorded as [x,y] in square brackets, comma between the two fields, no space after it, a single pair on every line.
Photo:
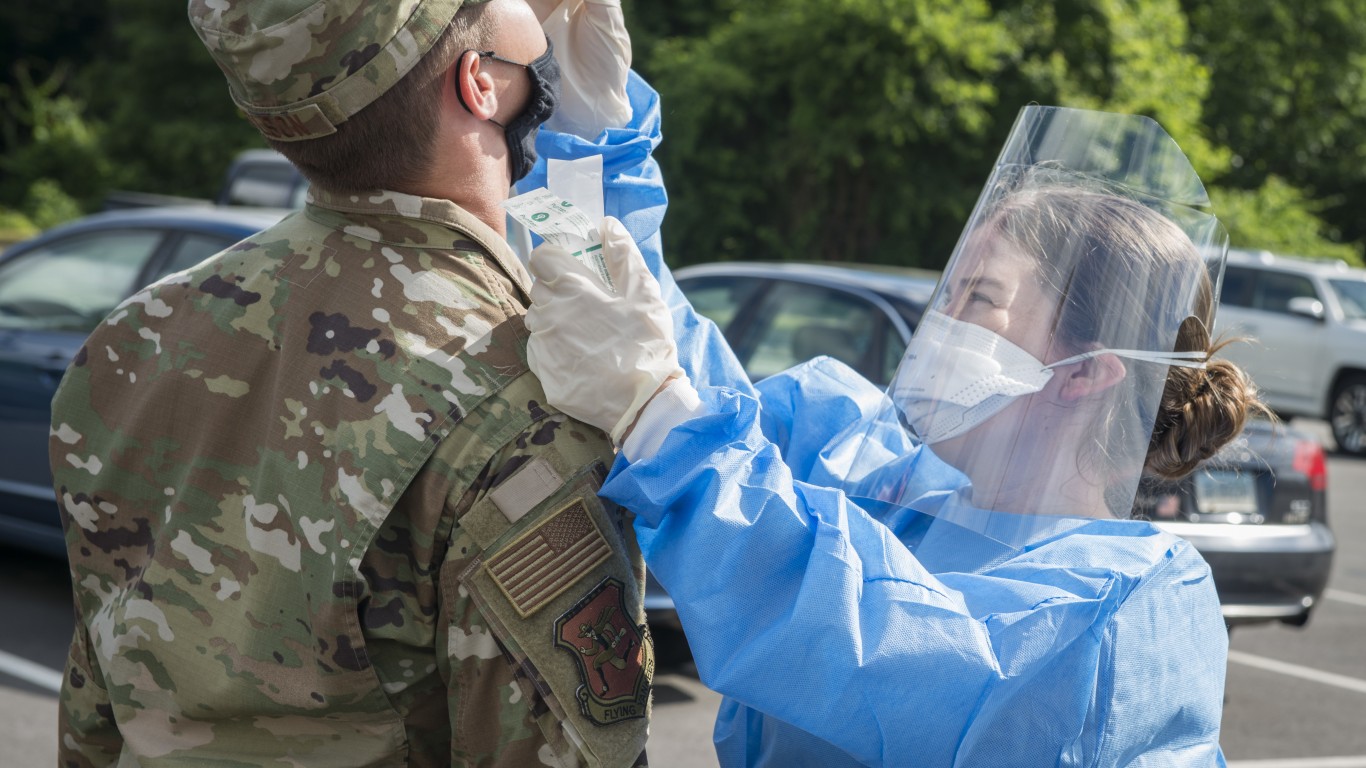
[473,86]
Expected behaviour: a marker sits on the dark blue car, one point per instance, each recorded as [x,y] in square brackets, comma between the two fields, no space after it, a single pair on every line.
[54,289]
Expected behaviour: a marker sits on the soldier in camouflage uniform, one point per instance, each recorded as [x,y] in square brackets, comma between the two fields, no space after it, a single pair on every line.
[317,511]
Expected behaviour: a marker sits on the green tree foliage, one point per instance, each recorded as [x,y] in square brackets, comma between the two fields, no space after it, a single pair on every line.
[1280,218]
[1125,56]
[652,21]
[37,39]
[1288,96]
[841,130]
[116,93]
[171,126]
[862,130]
[50,141]
[47,204]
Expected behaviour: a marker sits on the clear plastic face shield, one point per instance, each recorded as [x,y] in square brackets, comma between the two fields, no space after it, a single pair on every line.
[1087,273]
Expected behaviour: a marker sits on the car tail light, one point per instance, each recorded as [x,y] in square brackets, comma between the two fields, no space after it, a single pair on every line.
[1309,462]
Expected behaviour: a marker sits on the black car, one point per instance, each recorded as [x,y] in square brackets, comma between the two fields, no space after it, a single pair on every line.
[54,289]
[1257,511]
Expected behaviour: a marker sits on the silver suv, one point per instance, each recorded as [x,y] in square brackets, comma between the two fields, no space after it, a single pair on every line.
[1307,320]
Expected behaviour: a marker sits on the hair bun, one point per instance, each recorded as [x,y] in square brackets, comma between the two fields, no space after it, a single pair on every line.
[1202,411]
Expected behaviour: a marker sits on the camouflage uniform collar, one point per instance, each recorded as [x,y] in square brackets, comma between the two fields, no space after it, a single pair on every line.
[425,221]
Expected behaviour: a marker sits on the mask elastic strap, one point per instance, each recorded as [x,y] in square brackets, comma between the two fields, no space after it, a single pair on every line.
[1181,359]
[549,52]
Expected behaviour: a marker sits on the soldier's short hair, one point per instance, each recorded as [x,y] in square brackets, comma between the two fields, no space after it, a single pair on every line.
[389,144]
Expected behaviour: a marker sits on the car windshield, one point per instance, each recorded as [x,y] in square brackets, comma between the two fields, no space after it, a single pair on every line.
[1352,297]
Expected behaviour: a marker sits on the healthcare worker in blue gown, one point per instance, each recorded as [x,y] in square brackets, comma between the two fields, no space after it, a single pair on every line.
[945,573]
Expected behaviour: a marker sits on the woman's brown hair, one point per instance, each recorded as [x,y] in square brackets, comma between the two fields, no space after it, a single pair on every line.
[1157,296]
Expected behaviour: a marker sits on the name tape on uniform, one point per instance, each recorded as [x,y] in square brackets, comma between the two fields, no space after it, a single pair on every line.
[530,486]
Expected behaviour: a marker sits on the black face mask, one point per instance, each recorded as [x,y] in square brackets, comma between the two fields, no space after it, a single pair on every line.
[520,132]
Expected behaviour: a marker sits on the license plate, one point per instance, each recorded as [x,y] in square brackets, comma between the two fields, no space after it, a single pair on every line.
[1222,492]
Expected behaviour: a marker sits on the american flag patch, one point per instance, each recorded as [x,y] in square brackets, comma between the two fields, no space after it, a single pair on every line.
[549,558]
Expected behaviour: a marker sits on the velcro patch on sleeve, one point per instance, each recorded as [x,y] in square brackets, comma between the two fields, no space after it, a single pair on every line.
[530,486]
[549,558]
[614,655]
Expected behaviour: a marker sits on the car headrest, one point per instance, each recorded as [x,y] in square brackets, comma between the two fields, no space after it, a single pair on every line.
[813,340]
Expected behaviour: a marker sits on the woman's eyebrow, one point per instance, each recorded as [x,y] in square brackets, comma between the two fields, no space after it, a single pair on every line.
[980,281]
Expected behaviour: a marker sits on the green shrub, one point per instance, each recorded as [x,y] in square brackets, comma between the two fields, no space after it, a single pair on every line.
[48,205]
[49,139]
[15,226]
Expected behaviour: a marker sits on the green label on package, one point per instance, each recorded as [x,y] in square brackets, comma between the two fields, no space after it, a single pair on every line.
[560,223]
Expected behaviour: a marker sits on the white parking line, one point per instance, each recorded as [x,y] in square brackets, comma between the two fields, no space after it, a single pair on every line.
[1345,597]
[30,673]
[1295,670]
[1302,762]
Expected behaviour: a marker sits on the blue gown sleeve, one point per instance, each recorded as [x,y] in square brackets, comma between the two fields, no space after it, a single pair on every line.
[805,606]
[634,193]
[845,402]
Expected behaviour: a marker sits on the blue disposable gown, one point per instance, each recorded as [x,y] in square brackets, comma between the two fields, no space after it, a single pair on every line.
[836,645]
[833,643]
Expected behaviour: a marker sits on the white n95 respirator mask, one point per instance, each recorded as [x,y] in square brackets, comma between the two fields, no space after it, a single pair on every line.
[957,375]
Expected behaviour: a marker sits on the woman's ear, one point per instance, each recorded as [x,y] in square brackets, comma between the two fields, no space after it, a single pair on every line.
[474,88]
[1091,377]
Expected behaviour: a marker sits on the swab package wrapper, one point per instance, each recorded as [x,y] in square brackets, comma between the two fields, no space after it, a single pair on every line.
[562,221]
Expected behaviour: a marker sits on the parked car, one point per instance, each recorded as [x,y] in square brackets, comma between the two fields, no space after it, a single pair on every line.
[54,289]
[1257,511]
[263,178]
[1309,322]
[776,315]
[257,178]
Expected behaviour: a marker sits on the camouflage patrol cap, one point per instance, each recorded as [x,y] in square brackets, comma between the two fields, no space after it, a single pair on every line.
[299,68]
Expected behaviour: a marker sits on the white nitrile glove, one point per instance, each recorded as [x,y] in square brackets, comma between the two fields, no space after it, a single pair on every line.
[600,355]
[593,50]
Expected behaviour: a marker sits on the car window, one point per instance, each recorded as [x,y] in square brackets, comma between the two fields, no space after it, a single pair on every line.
[299,196]
[893,343]
[1352,297]
[720,299]
[72,283]
[1275,290]
[192,249]
[1237,287]
[892,350]
[267,185]
[796,322]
